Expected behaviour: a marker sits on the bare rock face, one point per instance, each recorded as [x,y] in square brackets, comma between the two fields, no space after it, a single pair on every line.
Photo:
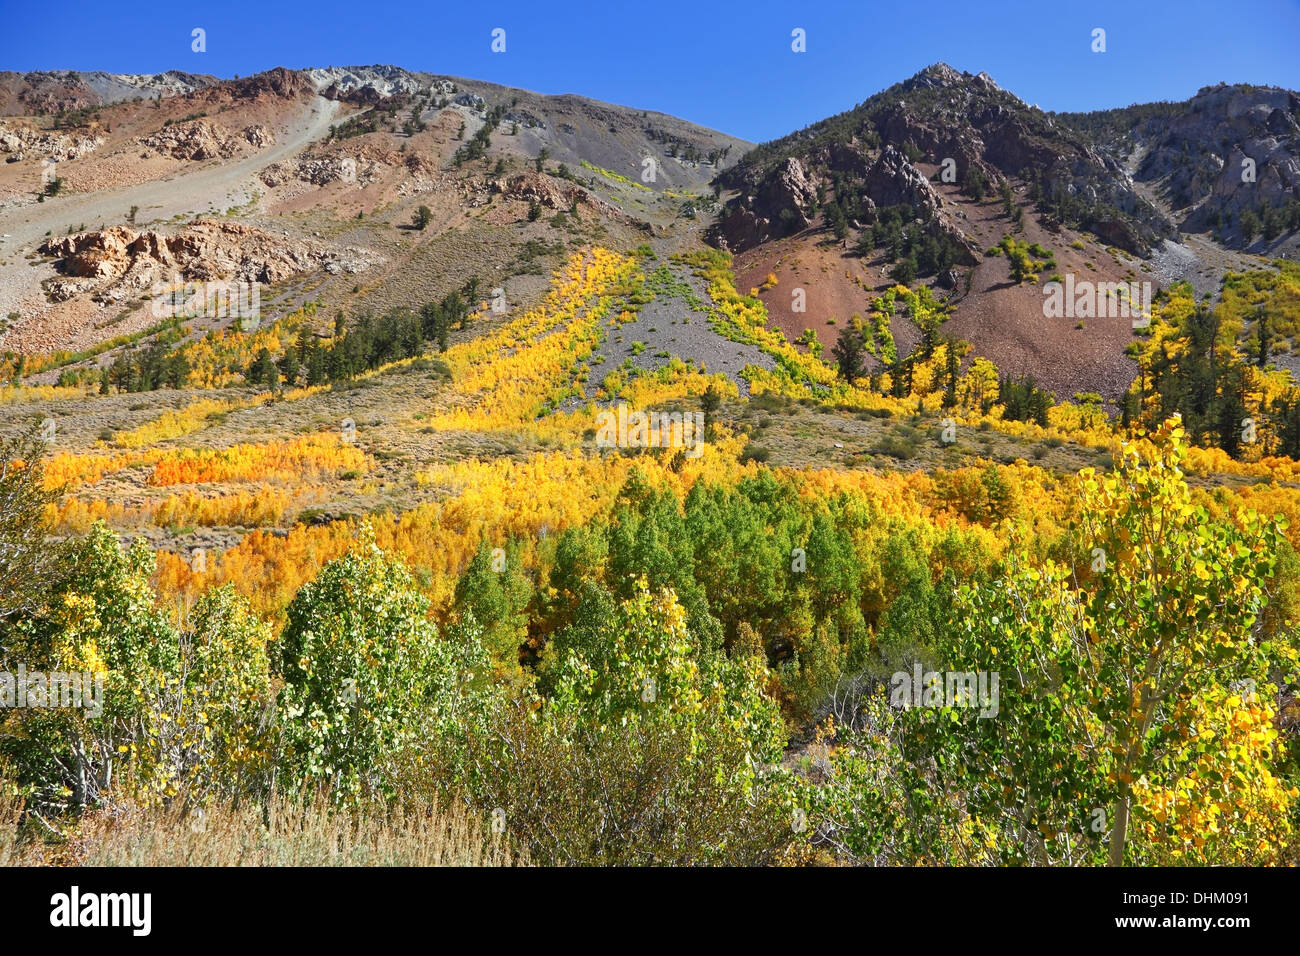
[347,81]
[780,205]
[894,180]
[360,163]
[322,171]
[24,142]
[525,119]
[117,263]
[259,136]
[1252,159]
[201,140]
[277,82]
[195,140]
[1277,175]
[790,188]
[532,187]
[94,255]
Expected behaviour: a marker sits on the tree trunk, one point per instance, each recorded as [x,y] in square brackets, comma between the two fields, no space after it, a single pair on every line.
[1118,832]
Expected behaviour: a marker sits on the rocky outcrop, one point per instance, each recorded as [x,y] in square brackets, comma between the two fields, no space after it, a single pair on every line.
[1228,149]
[22,142]
[362,83]
[115,264]
[279,82]
[545,191]
[938,115]
[201,140]
[893,180]
[783,201]
[524,118]
[780,205]
[322,171]
[258,136]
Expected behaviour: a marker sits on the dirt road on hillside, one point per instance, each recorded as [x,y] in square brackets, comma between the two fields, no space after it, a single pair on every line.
[219,186]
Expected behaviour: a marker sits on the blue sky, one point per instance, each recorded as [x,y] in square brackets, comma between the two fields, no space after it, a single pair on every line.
[720,63]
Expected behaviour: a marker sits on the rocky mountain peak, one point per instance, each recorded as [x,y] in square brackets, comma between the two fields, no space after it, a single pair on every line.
[936,75]
[385,80]
[874,153]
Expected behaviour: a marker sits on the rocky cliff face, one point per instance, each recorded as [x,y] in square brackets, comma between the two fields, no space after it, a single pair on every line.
[938,115]
[278,82]
[118,263]
[19,141]
[201,140]
[1233,148]
[779,204]
[892,179]
[53,91]
[347,82]
[1226,151]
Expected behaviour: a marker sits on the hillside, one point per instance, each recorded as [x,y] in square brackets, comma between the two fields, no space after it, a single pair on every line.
[1251,168]
[339,160]
[434,471]
[928,175]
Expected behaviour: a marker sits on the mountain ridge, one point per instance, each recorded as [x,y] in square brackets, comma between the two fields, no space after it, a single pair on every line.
[914,184]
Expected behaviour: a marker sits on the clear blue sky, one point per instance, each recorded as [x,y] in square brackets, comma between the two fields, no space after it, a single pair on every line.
[724,64]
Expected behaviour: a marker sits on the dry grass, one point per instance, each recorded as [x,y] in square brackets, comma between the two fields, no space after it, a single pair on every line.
[283,833]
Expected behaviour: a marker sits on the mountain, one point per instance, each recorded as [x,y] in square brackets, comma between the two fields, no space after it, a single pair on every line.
[1226,151]
[939,115]
[920,180]
[459,470]
[334,162]
[324,169]
[57,91]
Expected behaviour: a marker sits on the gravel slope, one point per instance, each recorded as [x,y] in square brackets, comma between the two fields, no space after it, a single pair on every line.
[219,184]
